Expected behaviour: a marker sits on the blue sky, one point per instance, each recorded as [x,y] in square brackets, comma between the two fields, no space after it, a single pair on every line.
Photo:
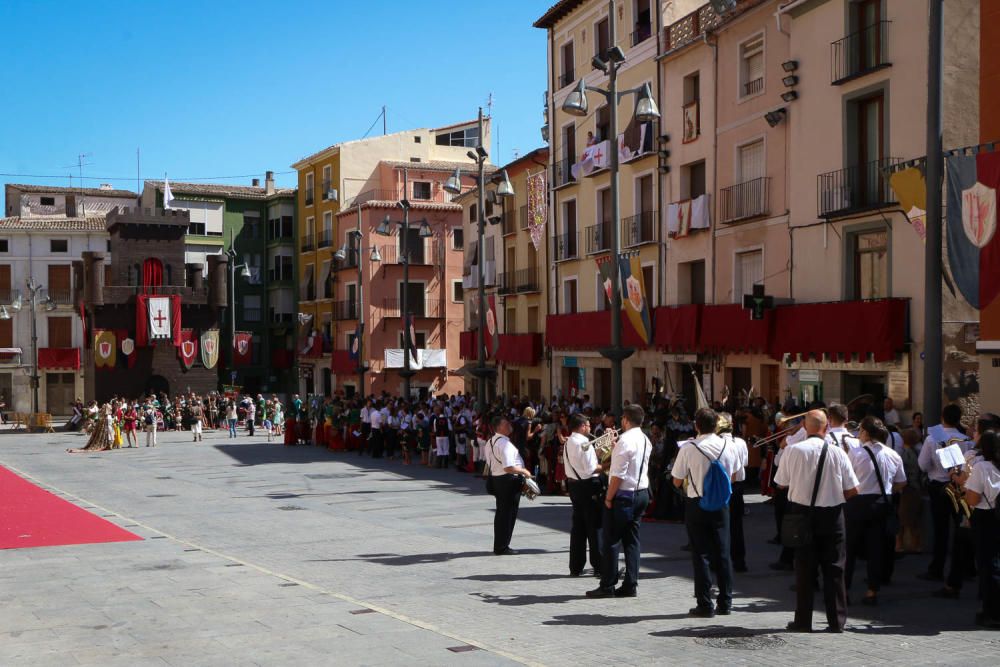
[227,88]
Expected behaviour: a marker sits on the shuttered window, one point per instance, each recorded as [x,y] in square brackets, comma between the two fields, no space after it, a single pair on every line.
[60,332]
[6,333]
[749,272]
[752,67]
[751,164]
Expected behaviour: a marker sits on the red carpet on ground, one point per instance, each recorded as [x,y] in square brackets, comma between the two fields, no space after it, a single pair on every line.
[33,517]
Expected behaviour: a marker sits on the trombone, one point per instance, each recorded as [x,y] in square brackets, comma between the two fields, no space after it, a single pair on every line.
[783,431]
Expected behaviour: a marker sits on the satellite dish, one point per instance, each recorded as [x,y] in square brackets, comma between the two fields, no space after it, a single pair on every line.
[723,6]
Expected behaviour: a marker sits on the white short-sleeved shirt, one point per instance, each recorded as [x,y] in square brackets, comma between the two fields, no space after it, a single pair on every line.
[743,453]
[798,472]
[891,417]
[365,415]
[375,418]
[890,464]
[792,439]
[936,438]
[580,464]
[841,437]
[984,480]
[692,464]
[630,458]
[502,454]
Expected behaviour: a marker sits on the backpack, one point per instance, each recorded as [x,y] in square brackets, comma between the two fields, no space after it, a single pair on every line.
[716,487]
[148,419]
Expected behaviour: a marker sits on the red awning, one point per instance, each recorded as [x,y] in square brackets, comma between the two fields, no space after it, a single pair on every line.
[520,349]
[676,327]
[728,328]
[841,327]
[587,331]
[59,358]
[342,364]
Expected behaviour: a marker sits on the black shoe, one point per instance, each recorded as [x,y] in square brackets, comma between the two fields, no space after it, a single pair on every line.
[834,630]
[870,600]
[775,540]
[701,612]
[686,547]
[742,567]
[622,592]
[601,593]
[723,610]
[930,576]
[946,593]
[781,566]
[795,627]
[506,552]
[576,574]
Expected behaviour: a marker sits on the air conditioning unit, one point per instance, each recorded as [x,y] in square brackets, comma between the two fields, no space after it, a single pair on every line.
[332,194]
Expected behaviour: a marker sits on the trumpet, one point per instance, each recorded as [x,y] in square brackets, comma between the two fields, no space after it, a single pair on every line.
[603,445]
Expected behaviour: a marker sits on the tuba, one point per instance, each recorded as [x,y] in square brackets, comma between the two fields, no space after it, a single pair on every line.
[954,490]
[603,445]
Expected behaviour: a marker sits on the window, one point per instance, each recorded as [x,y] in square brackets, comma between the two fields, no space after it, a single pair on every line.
[327,228]
[691,282]
[59,282]
[469,137]
[196,228]
[47,201]
[602,299]
[871,264]
[70,206]
[58,245]
[752,67]
[602,38]
[7,333]
[326,280]
[281,268]
[308,287]
[280,228]
[602,123]
[749,271]
[490,249]
[693,180]
[251,225]
[327,179]
[421,190]
[60,332]
[417,139]
[456,291]
[569,295]
[419,340]
[751,162]
[566,242]
[310,187]
[310,228]
[411,242]
[510,320]
[534,326]
[5,284]
[251,308]
[4,247]
[472,212]
[458,239]
[568,68]
[692,110]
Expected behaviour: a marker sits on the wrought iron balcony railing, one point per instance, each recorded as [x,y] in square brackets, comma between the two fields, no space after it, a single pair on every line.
[639,228]
[864,51]
[746,200]
[854,188]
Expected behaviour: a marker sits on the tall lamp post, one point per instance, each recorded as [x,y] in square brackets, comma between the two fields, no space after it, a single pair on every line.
[645,111]
[454,186]
[245,274]
[385,229]
[342,254]
[34,297]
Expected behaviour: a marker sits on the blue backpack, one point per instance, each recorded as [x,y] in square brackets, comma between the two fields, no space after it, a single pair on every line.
[717,488]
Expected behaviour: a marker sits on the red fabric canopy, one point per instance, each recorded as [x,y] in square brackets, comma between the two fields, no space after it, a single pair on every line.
[587,331]
[520,349]
[677,327]
[841,327]
[728,328]
[342,364]
[59,357]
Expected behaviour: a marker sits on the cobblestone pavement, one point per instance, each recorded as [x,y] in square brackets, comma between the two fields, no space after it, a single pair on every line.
[257,553]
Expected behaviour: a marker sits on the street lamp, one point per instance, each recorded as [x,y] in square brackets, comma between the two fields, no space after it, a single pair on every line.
[34,291]
[645,111]
[245,274]
[340,256]
[454,186]
[385,229]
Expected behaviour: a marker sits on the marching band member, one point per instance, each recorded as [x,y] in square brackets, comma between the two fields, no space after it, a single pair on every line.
[708,529]
[879,470]
[837,434]
[441,427]
[982,492]
[819,479]
[585,491]
[737,543]
[506,468]
[625,503]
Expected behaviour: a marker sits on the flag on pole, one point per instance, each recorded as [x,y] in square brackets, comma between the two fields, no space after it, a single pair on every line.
[355,344]
[973,245]
[491,326]
[243,346]
[188,349]
[408,334]
[633,297]
[168,196]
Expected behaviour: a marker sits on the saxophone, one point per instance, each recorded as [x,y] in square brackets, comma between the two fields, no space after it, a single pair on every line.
[954,490]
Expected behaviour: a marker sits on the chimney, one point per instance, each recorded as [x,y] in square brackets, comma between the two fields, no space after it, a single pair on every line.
[255,182]
[269,183]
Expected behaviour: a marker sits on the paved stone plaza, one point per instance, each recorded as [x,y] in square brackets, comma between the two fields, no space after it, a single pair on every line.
[256,553]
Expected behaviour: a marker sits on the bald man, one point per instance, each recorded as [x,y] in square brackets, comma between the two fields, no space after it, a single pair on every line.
[819,478]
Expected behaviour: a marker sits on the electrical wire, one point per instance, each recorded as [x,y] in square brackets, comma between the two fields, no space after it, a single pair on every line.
[132,178]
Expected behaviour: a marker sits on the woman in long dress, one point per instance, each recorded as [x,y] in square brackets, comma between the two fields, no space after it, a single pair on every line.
[102,435]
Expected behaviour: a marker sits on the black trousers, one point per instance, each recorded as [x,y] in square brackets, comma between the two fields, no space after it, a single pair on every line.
[828,553]
[737,545]
[376,443]
[708,533]
[620,530]
[508,497]
[986,531]
[866,517]
[963,556]
[942,518]
[587,502]
[780,507]
[366,443]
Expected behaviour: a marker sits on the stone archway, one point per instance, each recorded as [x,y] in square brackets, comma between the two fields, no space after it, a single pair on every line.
[156,385]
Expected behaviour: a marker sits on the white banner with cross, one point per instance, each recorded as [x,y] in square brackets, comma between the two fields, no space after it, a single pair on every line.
[158,310]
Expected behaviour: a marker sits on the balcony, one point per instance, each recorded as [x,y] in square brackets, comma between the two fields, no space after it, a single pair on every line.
[854,189]
[345,310]
[506,283]
[567,78]
[310,196]
[509,222]
[566,246]
[640,228]
[324,239]
[746,200]
[350,260]
[563,172]
[753,87]
[641,33]
[526,280]
[416,191]
[61,295]
[308,242]
[307,292]
[523,216]
[598,238]
[251,314]
[425,308]
[690,27]
[327,186]
[860,53]
[121,294]
[429,255]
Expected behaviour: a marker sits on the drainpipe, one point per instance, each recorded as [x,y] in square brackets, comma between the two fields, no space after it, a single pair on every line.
[715,169]
[552,293]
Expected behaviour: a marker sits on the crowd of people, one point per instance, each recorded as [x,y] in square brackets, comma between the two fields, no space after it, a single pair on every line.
[846,483]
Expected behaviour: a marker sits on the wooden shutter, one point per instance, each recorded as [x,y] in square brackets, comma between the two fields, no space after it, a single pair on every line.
[60,332]
[6,333]
[59,281]
[751,161]
[4,280]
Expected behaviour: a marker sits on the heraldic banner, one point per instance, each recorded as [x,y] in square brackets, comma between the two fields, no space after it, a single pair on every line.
[210,348]
[537,194]
[242,349]
[128,350]
[633,296]
[973,246]
[491,326]
[188,349]
[105,350]
[157,318]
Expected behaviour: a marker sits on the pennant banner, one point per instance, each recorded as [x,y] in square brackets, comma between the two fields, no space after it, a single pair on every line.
[158,311]
[210,348]
[607,274]
[188,349]
[633,297]
[128,350]
[242,349]
[104,349]
[355,348]
[679,219]
[537,208]
[491,326]
[157,317]
[911,190]
[973,246]
[408,333]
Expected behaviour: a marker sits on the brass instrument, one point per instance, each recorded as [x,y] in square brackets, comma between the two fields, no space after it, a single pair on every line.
[954,490]
[529,489]
[603,445]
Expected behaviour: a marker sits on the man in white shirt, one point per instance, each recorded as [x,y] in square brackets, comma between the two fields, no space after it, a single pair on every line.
[799,473]
[507,469]
[942,514]
[837,434]
[586,493]
[366,428]
[737,543]
[376,418]
[891,416]
[868,513]
[708,529]
[625,503]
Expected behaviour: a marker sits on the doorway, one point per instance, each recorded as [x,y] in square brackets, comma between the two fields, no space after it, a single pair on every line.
[602,388]
[513,383]
[639,390]
[59,389]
